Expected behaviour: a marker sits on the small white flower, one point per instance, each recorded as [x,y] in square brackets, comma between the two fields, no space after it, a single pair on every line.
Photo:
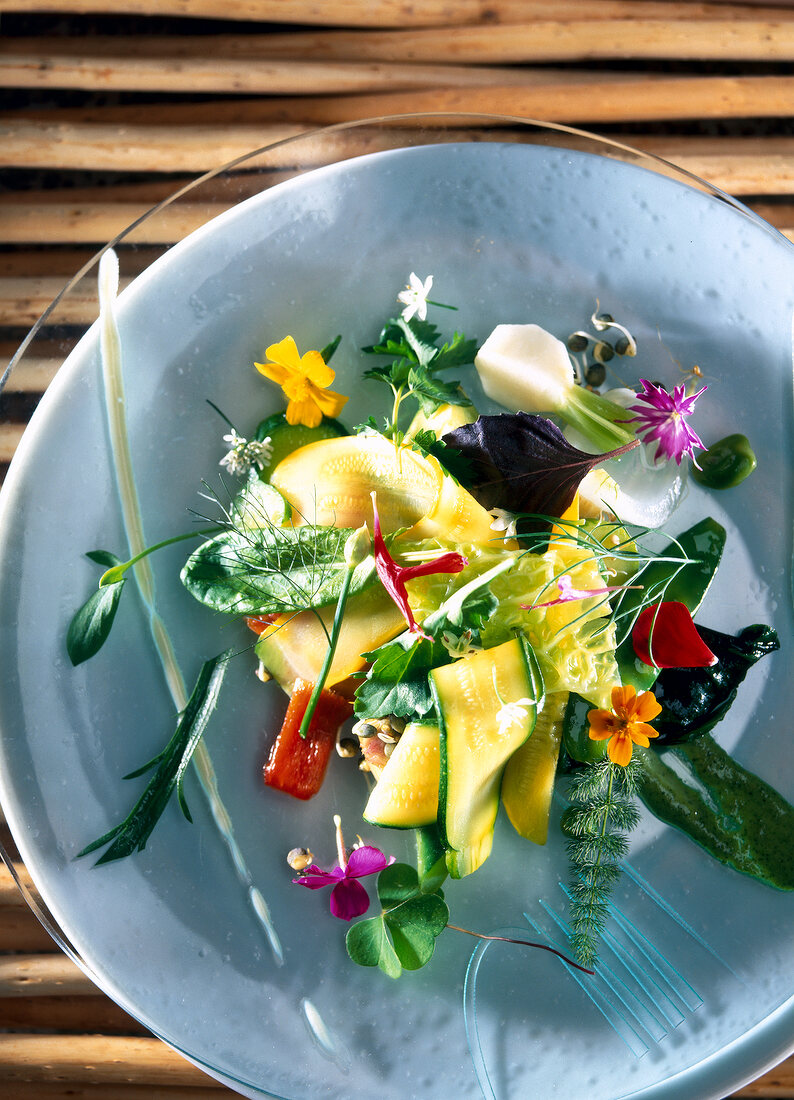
[458,645]
[414,297]
[242,454]
[504,521]
[511,713]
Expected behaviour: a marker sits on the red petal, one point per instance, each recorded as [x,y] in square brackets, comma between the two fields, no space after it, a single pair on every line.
[393,576]
[669,638]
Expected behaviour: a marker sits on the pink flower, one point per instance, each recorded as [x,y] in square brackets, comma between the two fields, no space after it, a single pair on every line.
[393,576]
[665,636]
[662,416]
[349,899]
[569,593]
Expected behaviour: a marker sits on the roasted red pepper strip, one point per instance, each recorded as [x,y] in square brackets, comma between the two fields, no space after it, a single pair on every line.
[297,765]
[258,623]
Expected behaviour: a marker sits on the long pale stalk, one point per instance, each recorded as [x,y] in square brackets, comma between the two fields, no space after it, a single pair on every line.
[110,344]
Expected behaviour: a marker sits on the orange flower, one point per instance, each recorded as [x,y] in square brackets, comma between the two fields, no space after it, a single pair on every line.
[305,380]
[626,723]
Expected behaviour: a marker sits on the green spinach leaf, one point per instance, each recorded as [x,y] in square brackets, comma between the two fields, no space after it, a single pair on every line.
[267,570]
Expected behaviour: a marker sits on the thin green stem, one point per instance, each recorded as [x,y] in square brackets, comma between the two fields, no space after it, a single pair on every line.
[329,654]
[115,573]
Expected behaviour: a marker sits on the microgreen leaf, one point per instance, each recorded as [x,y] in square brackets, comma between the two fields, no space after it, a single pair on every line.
[417,357]
[133,832]
[449,458]
[103,557]
[90,626]
[431,392]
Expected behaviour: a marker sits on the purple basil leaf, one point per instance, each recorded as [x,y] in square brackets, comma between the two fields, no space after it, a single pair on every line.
[523,463]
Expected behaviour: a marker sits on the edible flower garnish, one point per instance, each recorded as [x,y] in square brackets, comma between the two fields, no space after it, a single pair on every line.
[662,416]
[393,577]
[349,899]
[665,636]
[505,522]
[626,724]
[510,713]
[243,454]
[569,593]
[305,380]
[414,297]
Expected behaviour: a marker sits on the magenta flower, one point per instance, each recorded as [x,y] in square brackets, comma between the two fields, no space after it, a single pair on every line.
[393,576]
[349,899]
[569,593]
[662,416]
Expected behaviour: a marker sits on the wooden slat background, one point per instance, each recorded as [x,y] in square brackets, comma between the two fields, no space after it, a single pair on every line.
[105,114]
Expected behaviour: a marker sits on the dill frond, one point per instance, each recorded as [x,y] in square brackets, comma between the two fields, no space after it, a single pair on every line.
[597,823]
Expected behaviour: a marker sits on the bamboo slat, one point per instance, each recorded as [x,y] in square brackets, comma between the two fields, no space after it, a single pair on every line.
[89,1014]
[210,73]
[94,1059]
[10,894]
[22,301]
[557,39]
[600,101]
[41,1090]
[96,223]
[752,165]
[21,931]
[315,61]
[41,975]
[10,435]
[376,13]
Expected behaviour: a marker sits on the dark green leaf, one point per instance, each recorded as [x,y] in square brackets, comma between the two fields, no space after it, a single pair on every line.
[397,680]
[431,392]
[268,570]
[449,458]
[368,944]
[397,883]
[694,700]
[403,937]
[104,557]
[329,349]
[89,629]
[459,353]
[133,832]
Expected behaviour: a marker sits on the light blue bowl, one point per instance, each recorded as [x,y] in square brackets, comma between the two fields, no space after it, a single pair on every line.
[511,232]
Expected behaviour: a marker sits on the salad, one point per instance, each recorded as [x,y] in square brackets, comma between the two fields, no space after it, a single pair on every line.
[479,612]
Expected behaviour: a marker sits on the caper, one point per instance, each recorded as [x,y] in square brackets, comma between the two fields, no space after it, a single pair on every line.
[595,374]
[603,352]
[348,747]
[299,859]
[726,463]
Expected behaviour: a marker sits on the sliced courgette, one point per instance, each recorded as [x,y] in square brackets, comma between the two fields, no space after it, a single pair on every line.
[486,703]
[259,505]
[286,438]
[406,795]
[528,780]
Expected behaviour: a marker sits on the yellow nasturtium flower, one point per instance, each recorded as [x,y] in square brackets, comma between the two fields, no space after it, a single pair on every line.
[304,380]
